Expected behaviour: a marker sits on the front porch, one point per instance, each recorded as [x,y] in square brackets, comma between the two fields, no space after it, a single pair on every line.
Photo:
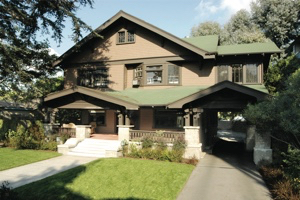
[193,116]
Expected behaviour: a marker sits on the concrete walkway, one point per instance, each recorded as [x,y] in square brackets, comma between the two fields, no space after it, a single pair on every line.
[36,171]
[227,174]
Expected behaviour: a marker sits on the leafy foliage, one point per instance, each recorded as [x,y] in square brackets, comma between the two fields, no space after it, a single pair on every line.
[281,115]
[206,28]
[241,30]
[23,56]
[278,19]
[278,72]
[292,164]
[6,192]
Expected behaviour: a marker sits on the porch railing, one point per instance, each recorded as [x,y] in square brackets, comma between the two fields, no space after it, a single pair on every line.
[163,136]
[68,131]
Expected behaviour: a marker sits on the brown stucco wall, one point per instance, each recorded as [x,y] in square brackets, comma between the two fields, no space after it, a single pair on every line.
[110,123]
[116,77]
[70,77]
[146,119]
[194,74]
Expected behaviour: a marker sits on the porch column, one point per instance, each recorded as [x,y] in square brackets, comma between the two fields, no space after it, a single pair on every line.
[120,119]
[52,115]
[123,132]
[187,117]
[250,137]
[127,120]
[192,138]
[262,150]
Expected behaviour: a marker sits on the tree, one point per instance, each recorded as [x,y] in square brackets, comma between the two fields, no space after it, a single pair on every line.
[23,57]
[279,71]
[278,19]
[280,115]
[241,30]
[206,28]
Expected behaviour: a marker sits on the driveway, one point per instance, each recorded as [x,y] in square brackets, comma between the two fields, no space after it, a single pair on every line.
[227,174]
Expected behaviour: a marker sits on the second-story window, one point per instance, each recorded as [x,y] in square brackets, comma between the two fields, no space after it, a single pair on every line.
[125,37]
[93,78]
[239,73]
[154,74]
[173,74]
[121,37]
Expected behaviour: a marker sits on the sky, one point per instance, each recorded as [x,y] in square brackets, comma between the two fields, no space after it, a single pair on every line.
[174,16]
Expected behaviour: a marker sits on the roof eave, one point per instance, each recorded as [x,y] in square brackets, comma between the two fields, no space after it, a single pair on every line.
[142,23]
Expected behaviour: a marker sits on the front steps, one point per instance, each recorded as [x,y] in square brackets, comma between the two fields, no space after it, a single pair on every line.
[96,148]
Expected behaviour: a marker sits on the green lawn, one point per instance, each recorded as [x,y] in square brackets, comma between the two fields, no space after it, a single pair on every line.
[118,178]
[10,158]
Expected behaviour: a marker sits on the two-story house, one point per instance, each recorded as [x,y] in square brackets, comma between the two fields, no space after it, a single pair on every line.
[140,75]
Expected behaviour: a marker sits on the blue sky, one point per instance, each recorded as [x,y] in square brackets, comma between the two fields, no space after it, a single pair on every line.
[174,16]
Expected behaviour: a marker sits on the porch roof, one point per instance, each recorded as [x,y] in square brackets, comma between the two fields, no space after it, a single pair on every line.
[173,97]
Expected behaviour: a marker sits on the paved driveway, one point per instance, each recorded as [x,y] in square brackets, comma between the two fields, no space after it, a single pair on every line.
[227,174]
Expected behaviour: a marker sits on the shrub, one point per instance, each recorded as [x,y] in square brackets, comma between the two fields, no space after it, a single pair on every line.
[179,144]
[6,192]
[292,162]
[48,145]
[281,186]
[147,142]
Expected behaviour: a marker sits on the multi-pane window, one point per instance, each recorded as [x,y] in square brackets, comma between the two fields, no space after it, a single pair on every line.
[121,37]
[130,36]
[154,74]
[125,37]
[237,73]
[171,119]
[223,73]
[251,73]
[93,77]
[173,74]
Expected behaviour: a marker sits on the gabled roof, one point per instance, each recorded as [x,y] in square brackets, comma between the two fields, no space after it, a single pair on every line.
[146,25]
[93,93]
[259,95]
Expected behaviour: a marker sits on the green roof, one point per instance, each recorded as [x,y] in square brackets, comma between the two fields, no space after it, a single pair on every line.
[208,43]
[254,48]
[156,97]
[261,88]
[162,97]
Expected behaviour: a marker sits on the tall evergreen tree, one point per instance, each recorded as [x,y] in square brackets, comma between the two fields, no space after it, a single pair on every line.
[240,29]
[279,19]
[23,56]
[206,28]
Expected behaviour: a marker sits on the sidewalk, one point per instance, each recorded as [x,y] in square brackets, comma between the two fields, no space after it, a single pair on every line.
[36,171]
[225,177]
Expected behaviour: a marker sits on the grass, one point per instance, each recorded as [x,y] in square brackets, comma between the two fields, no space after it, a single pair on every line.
[120,178]
[10,158]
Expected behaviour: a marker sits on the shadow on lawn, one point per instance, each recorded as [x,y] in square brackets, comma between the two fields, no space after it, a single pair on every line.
[53,187]
[129,198]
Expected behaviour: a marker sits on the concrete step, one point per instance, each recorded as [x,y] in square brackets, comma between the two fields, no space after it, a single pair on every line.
[96,148]
[86,154]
